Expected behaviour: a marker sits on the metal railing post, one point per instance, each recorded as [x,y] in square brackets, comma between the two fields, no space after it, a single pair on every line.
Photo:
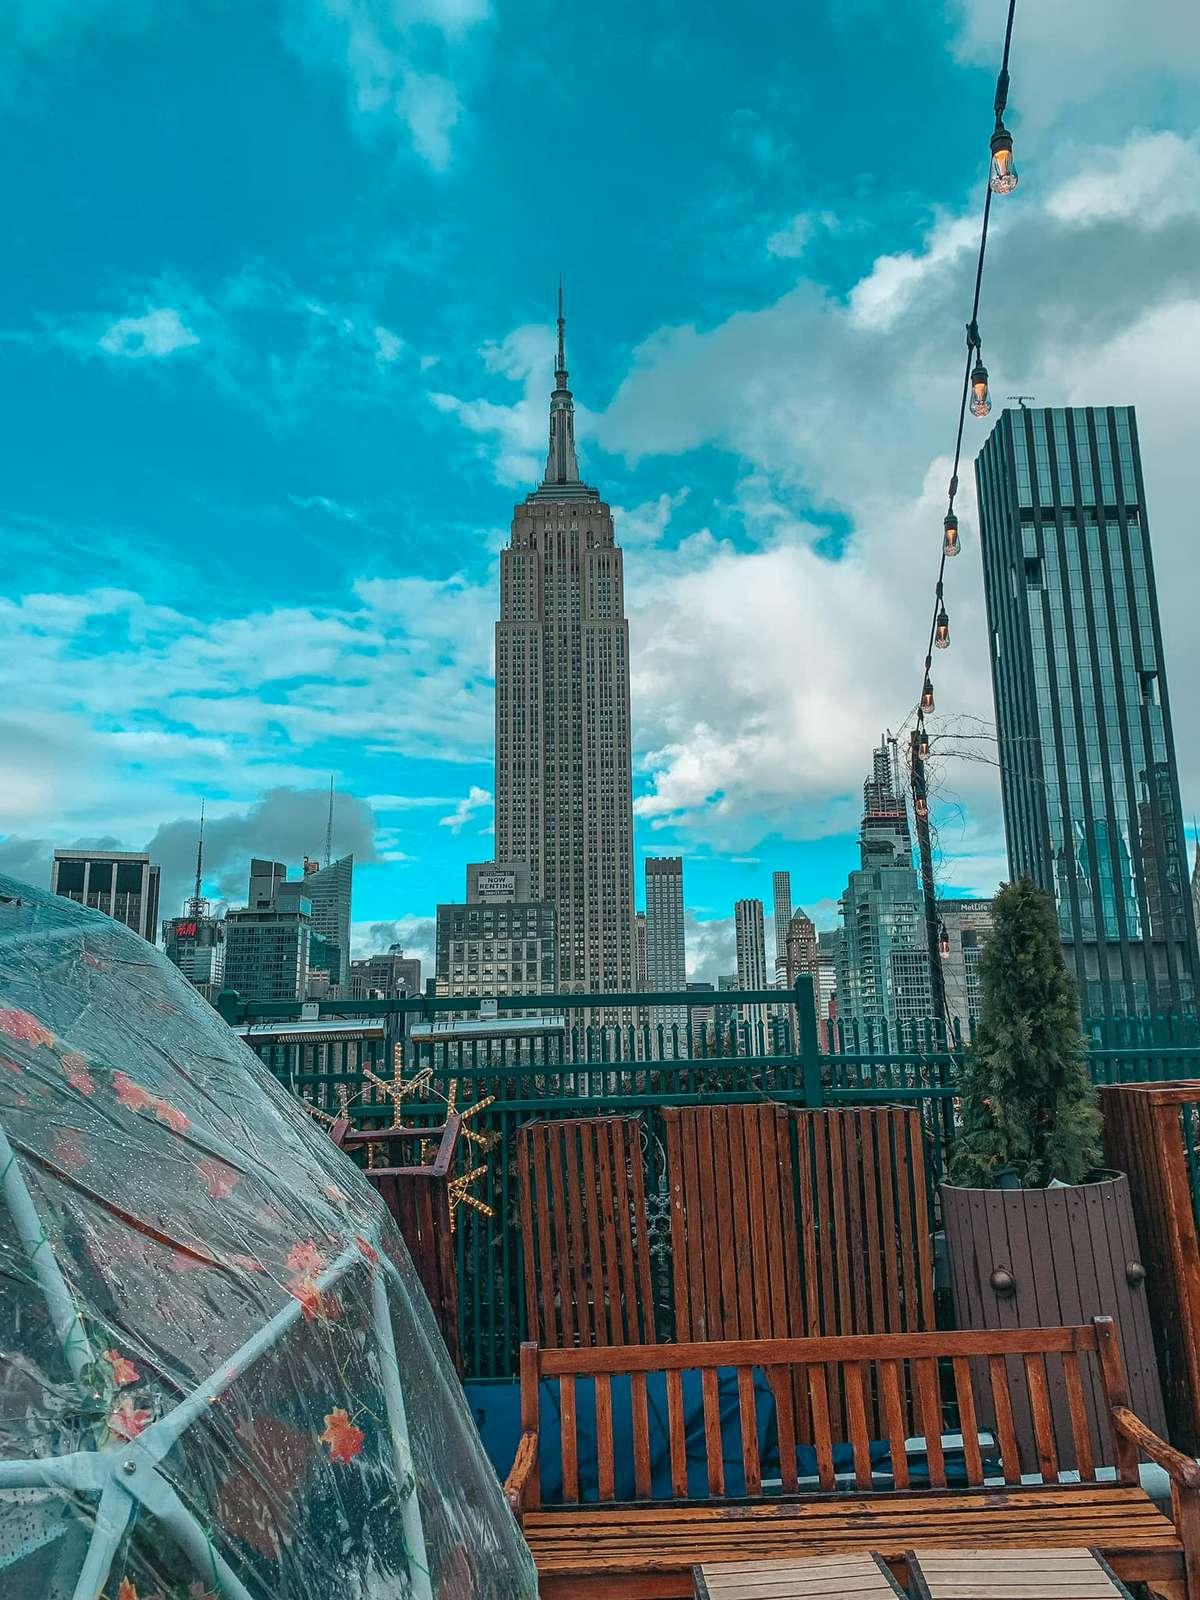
[808,1040]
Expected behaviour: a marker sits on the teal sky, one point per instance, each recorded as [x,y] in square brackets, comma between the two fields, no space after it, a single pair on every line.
[276,310]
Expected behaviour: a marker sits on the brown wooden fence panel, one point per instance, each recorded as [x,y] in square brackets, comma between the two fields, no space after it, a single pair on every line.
[583,1232]
[1144,1135]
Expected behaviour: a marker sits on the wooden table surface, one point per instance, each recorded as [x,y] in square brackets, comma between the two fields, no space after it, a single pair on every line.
[855,1577]
[1077,1574]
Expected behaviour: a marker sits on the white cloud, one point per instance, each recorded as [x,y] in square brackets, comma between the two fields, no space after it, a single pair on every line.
[466,809]
[159,333]
[402,60]
[1153,178]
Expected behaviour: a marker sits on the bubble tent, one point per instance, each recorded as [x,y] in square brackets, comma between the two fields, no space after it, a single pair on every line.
[219,1375]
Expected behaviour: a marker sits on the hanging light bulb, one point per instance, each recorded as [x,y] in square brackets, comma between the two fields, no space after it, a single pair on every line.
[921,806]
[950,540]
[981,400]
[927,695]
[943,941]
[922,745]
[941,630]
[1003,179]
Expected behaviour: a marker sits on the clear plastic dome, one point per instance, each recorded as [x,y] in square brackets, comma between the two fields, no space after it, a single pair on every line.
[219,1376]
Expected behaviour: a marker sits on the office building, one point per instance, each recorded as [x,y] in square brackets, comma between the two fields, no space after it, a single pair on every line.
[196,945]
[966,924]
[266,952]
[387,976]
[781,888]
[1087,759]
[329,889]
[564,798]
[666,958]
[121,883]
[751,954]
[266,877]
[883,956]
[494,944]
[829,944]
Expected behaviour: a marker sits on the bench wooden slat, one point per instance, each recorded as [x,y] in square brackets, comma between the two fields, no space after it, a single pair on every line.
[748,1416]
[856,1418]
[893,1409]
[641,1434]
[1043,1422]
[714,1449]
[931,1420]
[570,1438]
[1006,1432]
[964,1394]
[1080,1433]
[677,1435]
[785,1426]
[605,1466]
[852,1577]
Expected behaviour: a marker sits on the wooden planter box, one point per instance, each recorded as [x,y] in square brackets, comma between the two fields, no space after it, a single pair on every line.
[1031,1258]
[419,1199]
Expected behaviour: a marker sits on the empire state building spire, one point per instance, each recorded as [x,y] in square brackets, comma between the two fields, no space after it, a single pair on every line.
[561,465]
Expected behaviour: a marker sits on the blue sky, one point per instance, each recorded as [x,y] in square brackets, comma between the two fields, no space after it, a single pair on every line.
[276,311]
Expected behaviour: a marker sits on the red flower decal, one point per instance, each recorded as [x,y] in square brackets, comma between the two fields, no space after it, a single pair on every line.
[123,1371]
[76,1068]
[246,1264]
[127,1591]
[174,1118]
[343,1438]
[305,1259]
[131,1094]
[126,1421]
[25,1029]
[309,1296]
[367,1248]
[67,1150]
[221,1179]
[10,1065]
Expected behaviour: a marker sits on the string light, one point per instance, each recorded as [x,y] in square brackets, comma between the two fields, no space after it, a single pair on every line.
[1004,174]
[981,400]
[1002,180]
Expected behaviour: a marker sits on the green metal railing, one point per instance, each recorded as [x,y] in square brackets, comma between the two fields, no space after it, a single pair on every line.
[592,1055]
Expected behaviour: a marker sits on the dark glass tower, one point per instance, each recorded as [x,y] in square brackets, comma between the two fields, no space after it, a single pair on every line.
[1087,759]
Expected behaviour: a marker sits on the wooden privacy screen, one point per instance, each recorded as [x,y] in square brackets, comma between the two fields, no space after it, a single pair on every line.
[418,1198]
[1147,1132]
[798,1223]
[583,1232]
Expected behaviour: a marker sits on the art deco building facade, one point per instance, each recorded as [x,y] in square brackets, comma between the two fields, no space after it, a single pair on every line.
[1087,758]
[564,798]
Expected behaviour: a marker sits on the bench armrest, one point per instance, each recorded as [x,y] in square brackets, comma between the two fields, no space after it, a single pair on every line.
[523,1467]
[1180,1468]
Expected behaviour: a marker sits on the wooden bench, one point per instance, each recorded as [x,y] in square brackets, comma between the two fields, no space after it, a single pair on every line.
[758,1499]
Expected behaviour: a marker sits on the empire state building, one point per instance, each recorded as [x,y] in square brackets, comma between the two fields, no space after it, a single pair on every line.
[564,799]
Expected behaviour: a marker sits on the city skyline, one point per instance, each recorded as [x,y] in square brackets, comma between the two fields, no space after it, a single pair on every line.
[258,541]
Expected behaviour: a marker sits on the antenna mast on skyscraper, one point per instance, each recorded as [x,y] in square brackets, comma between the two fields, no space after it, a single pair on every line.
[196,908]
[329,826]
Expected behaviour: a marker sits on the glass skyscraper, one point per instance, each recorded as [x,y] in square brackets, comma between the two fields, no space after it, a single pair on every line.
[1087,760]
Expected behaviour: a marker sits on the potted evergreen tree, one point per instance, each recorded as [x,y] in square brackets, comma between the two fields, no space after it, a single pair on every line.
[1029,1110]
[1035,1232]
